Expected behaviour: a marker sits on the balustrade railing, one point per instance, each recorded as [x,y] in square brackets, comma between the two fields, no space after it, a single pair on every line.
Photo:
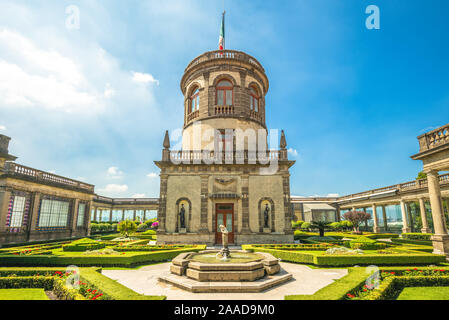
[224,110]
[192,156]
[193,115]
[224,54]
[15,169]
[434,138]
[406,186]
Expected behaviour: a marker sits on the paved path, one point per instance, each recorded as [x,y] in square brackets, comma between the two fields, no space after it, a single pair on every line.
[305,281]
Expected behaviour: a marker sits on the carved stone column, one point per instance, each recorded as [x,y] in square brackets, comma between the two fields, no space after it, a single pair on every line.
[161,214]
[422,210]
[245,205]
[405,226]
[376,227]
[440,239]
[204,203]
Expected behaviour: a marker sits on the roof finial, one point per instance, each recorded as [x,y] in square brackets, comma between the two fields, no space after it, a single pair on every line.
[166,140]
[283,143]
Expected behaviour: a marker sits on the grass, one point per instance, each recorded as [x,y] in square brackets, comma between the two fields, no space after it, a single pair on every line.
[424,293]
[23,294]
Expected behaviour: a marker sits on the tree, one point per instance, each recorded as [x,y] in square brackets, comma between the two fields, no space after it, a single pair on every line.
[356,218]
[421,175]
[320,225]
[127,227]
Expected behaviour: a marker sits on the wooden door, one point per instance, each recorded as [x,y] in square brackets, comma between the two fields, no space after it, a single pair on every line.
[224,216]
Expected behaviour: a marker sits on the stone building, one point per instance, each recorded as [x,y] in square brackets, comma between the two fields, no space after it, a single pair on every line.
[217,177]
[37,205]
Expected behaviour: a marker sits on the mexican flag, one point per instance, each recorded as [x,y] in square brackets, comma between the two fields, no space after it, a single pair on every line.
[221,42]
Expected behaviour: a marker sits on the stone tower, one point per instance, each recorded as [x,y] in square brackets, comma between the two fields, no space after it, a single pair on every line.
[223,174]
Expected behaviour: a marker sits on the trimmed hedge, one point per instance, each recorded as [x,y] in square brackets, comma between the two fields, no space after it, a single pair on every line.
[112,290]
[83,245]
[408,241]
[350,260]
[365,243]
[416,236]
[337,290]
[119,261]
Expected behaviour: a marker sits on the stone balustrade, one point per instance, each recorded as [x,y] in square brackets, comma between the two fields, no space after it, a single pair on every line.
[224,54]
[434,138]
[223,110]
[406,186]
[245,156]
[17,170]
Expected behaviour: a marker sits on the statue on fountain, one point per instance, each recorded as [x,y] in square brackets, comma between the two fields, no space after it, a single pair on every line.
[224,252]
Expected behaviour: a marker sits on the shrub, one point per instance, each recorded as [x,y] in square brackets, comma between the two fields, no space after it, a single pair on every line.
[336,225]
[83,244]
[416,236]
[149,232]
[320,239]
[127,227]
[297,224]
[305,226]
[365,243]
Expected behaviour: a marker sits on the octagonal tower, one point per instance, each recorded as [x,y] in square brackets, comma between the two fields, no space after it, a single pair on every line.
[223,90]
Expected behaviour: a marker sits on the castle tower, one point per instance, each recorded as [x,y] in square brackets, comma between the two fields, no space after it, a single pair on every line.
[223,174]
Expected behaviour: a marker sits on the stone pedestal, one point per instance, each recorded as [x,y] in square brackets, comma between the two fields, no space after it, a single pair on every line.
[406,230]
[426,230]
[182,230]
[440,244]
[376,230]
[266,230]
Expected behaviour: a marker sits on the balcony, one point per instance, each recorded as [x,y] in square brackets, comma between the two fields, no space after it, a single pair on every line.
[227,157]
[434,138]
[224,110]
[225,55]
[193,115]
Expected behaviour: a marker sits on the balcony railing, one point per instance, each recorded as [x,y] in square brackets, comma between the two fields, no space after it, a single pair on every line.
[224,110]
[193,115]
[402,187]
[206,156]
[14,169]
[434,138]
[108,200]
[225,54]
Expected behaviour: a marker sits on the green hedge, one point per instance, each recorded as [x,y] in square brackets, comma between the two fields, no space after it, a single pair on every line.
[365,243]
[391,287]
[408,241]
[120,261]
[350,260]
[83,244]
[337,290]
[25,277]
[416,236]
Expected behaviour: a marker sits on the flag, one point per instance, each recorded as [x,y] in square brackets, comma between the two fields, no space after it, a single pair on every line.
[221,42]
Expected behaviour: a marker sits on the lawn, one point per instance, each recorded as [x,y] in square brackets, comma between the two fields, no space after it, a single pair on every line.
[424,293]
[23,294]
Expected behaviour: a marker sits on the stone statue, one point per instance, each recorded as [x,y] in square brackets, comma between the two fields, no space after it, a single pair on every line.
[225,253]
[265,216]
[182,217]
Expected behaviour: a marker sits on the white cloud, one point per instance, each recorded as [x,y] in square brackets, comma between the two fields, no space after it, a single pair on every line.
[114,189]
[138,195]
[2,128]
[108,91]
[293,152]
[152,175]
[144,78]
[114,173]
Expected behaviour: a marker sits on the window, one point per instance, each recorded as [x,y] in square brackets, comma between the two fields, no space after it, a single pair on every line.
[224,93]
[81,213]
[53,213]
[18,210]
[225,139]
[195,100]
[254,97]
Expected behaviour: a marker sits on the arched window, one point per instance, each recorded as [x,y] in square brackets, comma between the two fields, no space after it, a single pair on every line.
[224,93]
[195,100]
[254,97]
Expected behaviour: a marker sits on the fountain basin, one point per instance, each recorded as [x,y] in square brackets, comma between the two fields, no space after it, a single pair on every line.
[243,272]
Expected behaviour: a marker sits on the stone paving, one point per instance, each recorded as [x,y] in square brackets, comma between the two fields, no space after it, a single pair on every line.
[305,281]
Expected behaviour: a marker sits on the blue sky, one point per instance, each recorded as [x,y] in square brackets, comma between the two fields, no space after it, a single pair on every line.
[93,103]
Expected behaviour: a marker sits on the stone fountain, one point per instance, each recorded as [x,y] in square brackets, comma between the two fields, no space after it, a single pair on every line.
[225,270]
